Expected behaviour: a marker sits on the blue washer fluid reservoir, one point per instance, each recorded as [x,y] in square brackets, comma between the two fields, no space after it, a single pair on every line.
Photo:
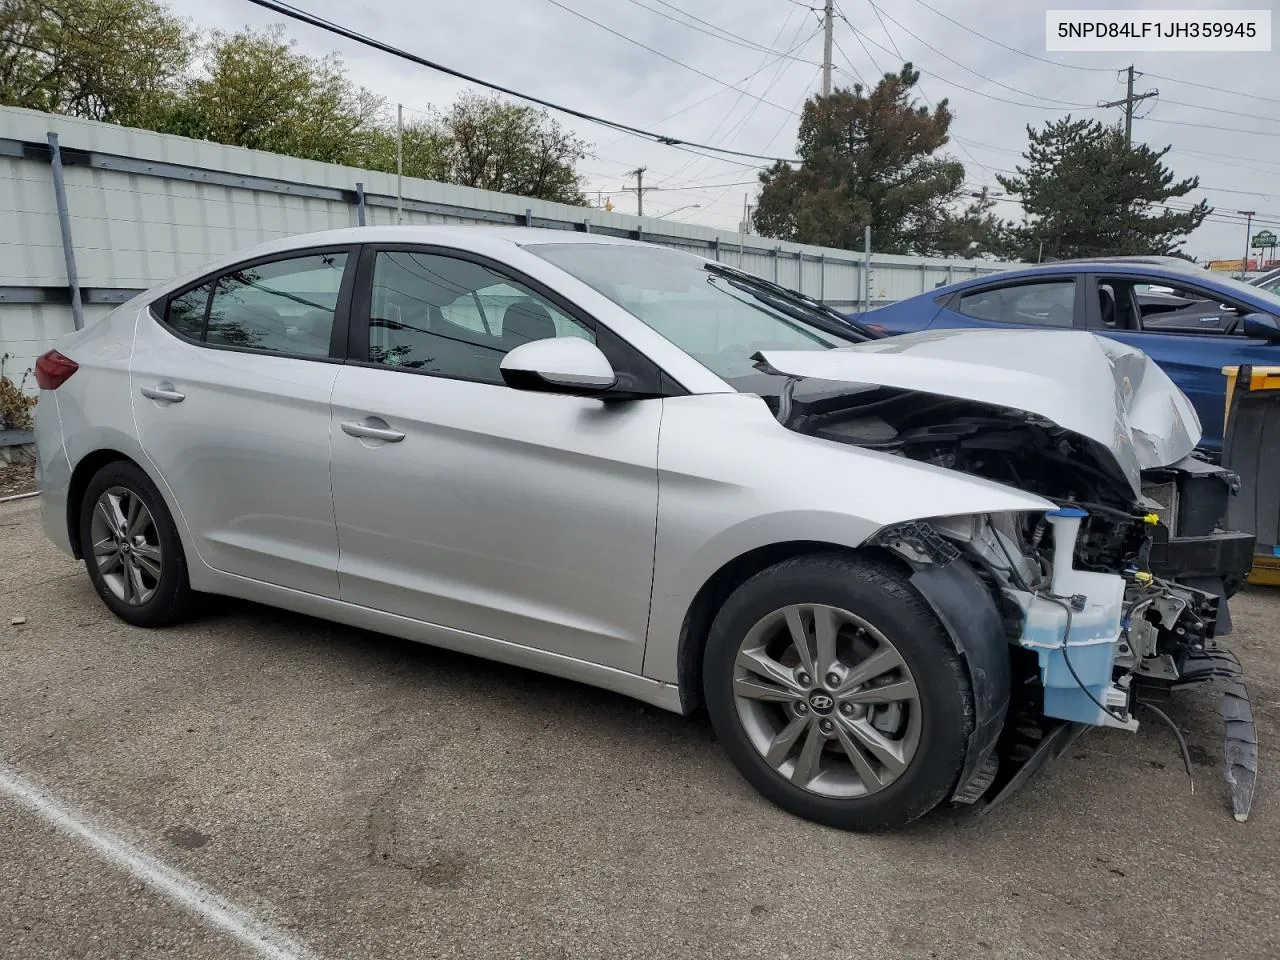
[1091,641]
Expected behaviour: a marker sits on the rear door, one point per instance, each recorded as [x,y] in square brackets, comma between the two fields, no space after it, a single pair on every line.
[231,380]
[1191,345]
[1051,302]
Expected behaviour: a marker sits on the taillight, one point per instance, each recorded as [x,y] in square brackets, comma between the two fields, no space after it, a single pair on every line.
[53,369]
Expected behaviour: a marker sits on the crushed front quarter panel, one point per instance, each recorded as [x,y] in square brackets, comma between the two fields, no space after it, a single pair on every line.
[1105,391]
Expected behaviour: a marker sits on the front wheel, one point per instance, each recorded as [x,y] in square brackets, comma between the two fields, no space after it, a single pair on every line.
[837,693]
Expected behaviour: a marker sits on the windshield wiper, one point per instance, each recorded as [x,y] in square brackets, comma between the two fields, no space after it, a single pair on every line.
[802,306]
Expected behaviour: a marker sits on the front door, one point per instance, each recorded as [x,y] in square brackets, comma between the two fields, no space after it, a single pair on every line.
[528,517]
[231,381]
[1190,345]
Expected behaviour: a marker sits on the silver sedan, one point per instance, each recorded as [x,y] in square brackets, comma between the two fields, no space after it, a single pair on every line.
[617,463]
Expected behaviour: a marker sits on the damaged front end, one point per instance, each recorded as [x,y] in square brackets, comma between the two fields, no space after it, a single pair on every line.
[1108,602]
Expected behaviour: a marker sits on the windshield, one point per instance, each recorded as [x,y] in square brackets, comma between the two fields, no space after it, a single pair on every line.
[717,319]
[1267,296]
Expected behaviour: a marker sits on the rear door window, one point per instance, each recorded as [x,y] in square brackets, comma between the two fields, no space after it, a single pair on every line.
[286,306]
[1044,304]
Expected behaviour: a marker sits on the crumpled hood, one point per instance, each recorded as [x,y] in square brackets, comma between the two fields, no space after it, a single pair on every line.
[1099,388]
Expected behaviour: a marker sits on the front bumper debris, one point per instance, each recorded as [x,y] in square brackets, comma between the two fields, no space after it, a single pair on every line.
[1240,747]
[1240,752]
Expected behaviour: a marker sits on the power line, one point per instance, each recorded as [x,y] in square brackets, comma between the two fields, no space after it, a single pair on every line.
[858,36]
[1076,66]
[751,76]
[998,43]
[1206,126]
[720,34]
[779,68]
[952,83]
[1232,161]
[656,53]
[293,13]
[1234,113]
[882,16]
[694,187]
[1206,86]
[856,75]
[1128,102]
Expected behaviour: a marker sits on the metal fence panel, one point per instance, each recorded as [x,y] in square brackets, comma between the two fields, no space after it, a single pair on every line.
[145,206]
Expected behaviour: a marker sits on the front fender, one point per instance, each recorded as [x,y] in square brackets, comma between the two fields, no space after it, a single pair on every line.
[732,480]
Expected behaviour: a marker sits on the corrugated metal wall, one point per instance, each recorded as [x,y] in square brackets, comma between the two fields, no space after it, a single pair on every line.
[144,206]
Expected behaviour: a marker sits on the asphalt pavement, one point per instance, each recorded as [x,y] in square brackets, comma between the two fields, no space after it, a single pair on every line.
[362,797]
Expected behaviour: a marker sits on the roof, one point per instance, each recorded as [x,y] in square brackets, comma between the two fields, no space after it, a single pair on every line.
[489,240]
[441,233]
[1174,263]
[1156,268]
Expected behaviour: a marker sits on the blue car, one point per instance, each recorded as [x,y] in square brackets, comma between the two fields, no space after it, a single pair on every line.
[1191,322]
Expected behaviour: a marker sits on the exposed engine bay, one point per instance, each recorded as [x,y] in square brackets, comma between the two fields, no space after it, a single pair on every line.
[1108,603]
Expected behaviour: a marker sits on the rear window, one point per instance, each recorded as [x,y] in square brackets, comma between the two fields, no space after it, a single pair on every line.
[283,306]
[185,313]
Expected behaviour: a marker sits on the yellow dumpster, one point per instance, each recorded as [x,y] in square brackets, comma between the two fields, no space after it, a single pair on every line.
[1251,448]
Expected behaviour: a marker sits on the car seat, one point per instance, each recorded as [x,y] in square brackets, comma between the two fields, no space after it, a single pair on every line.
[1107,305]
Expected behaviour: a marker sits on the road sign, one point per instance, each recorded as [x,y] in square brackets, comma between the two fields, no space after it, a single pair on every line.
[1262,239]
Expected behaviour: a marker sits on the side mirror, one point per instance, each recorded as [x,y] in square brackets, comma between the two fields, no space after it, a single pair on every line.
[558,365]
[1261,326]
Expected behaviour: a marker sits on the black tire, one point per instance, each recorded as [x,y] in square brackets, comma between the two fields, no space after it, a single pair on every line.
[171,599]
[881,596]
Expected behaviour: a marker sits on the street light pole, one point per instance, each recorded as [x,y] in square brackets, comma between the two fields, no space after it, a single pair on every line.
[1248,230]
[687,206]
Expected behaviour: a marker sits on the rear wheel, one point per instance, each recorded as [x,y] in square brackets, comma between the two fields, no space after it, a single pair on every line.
[131,547]
[837,693]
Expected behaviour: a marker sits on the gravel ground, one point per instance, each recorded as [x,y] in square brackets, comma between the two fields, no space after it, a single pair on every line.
[376,799]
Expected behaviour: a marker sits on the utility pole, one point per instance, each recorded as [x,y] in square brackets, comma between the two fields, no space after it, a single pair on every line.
[828,27]
[1248,232]
[399,163]
[1128,103]
[638,189]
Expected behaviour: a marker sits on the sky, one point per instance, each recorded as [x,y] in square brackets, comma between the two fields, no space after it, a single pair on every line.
[735,74]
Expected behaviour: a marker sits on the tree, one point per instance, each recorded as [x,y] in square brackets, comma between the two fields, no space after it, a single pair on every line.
[129,62]
[1087,193]
[972,230]
[116,60]
[866,159]
[424,146]
[256,91]
[512,148]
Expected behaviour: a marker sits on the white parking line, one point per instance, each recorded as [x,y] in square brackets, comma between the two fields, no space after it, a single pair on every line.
[263,939]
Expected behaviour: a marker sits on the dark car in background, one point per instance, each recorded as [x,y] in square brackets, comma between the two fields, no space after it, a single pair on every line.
[1191,322]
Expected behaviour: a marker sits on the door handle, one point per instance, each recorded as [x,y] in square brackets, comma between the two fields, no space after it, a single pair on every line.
[163,392]
[370,429]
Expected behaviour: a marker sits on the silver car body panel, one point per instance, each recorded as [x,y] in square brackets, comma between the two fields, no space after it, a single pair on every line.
[1142,418]
[246,453]
[732,479]
[526,516]
[665,696]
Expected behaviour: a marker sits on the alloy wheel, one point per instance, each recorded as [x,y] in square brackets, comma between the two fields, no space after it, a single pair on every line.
[827,700]
[126,545]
